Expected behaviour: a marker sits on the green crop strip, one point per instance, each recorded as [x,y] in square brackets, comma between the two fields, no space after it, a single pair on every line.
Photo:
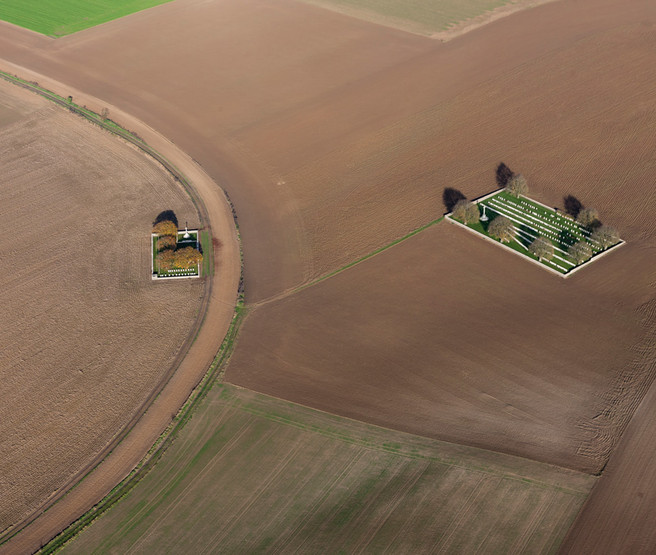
[56,18]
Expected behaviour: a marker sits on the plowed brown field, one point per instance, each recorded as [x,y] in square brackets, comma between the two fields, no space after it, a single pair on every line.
[335,137]
[454,321]
[87,335]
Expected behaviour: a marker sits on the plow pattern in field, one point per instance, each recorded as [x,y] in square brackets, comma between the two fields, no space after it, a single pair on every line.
[251,473]
[90,336]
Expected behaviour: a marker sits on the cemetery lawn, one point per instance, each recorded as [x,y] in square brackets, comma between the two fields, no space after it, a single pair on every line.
[532,219]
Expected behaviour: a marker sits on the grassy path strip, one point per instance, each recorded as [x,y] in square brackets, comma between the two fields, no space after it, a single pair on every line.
[294,290]
[365,257]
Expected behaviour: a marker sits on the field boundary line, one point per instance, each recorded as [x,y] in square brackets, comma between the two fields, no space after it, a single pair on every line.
[445,460]
[161,445]
[333,273]
[197,393]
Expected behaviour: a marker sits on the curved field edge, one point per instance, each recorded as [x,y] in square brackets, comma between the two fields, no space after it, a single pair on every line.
[162,444]
[219,358]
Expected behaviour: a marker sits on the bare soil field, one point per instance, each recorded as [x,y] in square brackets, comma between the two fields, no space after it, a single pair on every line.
[444,336]
[87,335]
[335,136]
[250,474]
[345,126]
[618,516]
[407,320]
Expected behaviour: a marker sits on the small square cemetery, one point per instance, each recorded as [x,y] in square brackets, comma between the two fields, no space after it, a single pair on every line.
[560,242]
[175,254]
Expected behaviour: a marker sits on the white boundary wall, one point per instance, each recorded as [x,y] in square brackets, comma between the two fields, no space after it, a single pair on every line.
[155,276]
[597,256]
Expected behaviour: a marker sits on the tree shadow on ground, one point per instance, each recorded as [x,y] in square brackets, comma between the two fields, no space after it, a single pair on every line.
[504,173]
[572,205]
[450,198]
[166,216]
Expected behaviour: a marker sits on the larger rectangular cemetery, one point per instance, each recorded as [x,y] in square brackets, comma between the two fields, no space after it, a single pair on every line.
[532,220]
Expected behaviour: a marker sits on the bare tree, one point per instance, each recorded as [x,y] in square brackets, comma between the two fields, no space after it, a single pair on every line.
[588,217]
[466,211]
[580,251]
[450,198]
[605,236]
[504,174]
[542,248]
[502,228]
[517,185]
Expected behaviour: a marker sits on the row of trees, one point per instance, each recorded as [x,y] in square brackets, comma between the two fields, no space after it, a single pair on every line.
[169,257]
[603,235]
[516,185]
[503,229]
[185,258]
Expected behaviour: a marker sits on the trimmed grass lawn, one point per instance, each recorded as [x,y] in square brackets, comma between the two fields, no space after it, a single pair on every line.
[531,220]
[63,17]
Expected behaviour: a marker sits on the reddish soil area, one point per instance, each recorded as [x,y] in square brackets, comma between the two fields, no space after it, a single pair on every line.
[447,336]
[334,137]
[345,125]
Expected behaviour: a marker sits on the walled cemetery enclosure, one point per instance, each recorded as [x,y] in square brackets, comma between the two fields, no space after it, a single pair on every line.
[174,273]
[532,220]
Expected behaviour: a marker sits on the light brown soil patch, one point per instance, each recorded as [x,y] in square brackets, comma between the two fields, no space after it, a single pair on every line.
[87,335]
[445,24]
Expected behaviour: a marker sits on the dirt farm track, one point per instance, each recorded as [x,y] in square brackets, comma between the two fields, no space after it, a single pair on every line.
[335,137]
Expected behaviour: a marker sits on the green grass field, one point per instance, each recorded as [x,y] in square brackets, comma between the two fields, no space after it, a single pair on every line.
[250,473]
[63,17]
[421,16]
